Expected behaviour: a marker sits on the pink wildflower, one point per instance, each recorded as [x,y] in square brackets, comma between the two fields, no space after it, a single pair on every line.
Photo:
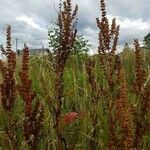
[71,117]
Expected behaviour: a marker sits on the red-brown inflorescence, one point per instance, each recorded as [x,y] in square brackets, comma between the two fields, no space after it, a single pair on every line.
[8,87]
[25,89]
[108,39]
[142,92]
[124,115]
[8,39]
[33,115]
[67,31]
[139,71]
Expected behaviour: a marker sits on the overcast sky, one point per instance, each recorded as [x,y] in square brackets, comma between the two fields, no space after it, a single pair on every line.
[29,19]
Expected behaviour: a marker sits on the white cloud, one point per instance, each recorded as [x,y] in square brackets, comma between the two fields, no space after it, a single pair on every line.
[139,24]
[135,24]
[29,21]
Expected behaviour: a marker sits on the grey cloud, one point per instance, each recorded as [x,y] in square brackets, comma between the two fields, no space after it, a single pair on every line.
[129,8]
[44,11]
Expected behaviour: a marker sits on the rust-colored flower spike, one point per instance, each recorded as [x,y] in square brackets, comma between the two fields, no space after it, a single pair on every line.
[33,116]
[108,39]
[108,36]
[124,114]
[8,88]
[26,94]
[67,31]
[115,41]
[35,123]
[103,8]
[139,71]
[113,27]
[8,39]
[142,123]
[25,90]
[103,25]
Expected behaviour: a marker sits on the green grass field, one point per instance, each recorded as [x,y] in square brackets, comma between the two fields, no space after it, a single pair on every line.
[75,101]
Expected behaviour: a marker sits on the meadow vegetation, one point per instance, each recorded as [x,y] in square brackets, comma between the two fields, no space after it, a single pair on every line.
[66,100]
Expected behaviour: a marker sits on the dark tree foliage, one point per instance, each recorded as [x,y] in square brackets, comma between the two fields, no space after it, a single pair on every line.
[81,45]
[147,41]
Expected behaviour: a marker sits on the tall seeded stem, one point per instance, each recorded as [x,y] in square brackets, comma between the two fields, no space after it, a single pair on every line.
[8,88]
[142,92]
[139,71]
[67,31]
[108,39]
[124,115]
[33,115]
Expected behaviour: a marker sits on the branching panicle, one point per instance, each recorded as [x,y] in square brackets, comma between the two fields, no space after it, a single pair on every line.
[67,31]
